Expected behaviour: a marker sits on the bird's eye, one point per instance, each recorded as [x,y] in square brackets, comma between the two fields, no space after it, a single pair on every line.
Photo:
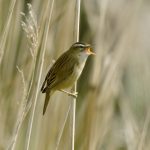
[81,46]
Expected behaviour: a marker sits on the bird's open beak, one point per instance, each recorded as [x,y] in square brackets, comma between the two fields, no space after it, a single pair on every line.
[89,52]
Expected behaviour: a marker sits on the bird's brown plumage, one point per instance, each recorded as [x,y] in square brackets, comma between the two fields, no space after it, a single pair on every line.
[54,78]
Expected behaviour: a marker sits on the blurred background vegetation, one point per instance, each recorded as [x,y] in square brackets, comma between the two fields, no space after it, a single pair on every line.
[113,102]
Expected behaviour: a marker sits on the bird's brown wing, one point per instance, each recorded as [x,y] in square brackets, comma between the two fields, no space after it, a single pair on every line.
[51,75]
[61,70]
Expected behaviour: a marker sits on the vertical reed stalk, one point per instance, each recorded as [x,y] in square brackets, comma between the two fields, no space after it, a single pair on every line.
[73,102]
[6,30]
[27,145]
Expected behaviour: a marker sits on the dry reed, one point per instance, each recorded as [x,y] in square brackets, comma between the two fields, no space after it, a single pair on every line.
[113,102]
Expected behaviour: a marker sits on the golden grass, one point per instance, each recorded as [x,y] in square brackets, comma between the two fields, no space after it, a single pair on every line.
[112,110]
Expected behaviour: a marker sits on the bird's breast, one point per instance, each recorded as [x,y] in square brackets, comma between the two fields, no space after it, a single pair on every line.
[78,69]
[68,82]
[71,79]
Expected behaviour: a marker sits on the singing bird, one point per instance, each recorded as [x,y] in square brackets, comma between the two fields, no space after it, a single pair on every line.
[66,70]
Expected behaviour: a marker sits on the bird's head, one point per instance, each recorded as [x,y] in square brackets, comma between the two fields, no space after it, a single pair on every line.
[82,48]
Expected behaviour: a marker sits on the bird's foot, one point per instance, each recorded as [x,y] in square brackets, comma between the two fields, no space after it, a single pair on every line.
[75,94]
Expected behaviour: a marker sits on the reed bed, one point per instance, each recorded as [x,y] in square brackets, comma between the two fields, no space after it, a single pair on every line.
[112,107]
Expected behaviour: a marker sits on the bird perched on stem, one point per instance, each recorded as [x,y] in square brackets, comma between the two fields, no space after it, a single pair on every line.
[66,70]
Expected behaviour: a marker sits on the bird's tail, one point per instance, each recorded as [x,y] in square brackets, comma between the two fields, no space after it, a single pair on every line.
[47,98]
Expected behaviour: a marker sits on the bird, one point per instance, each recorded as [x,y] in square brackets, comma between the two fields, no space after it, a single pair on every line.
[66,70]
